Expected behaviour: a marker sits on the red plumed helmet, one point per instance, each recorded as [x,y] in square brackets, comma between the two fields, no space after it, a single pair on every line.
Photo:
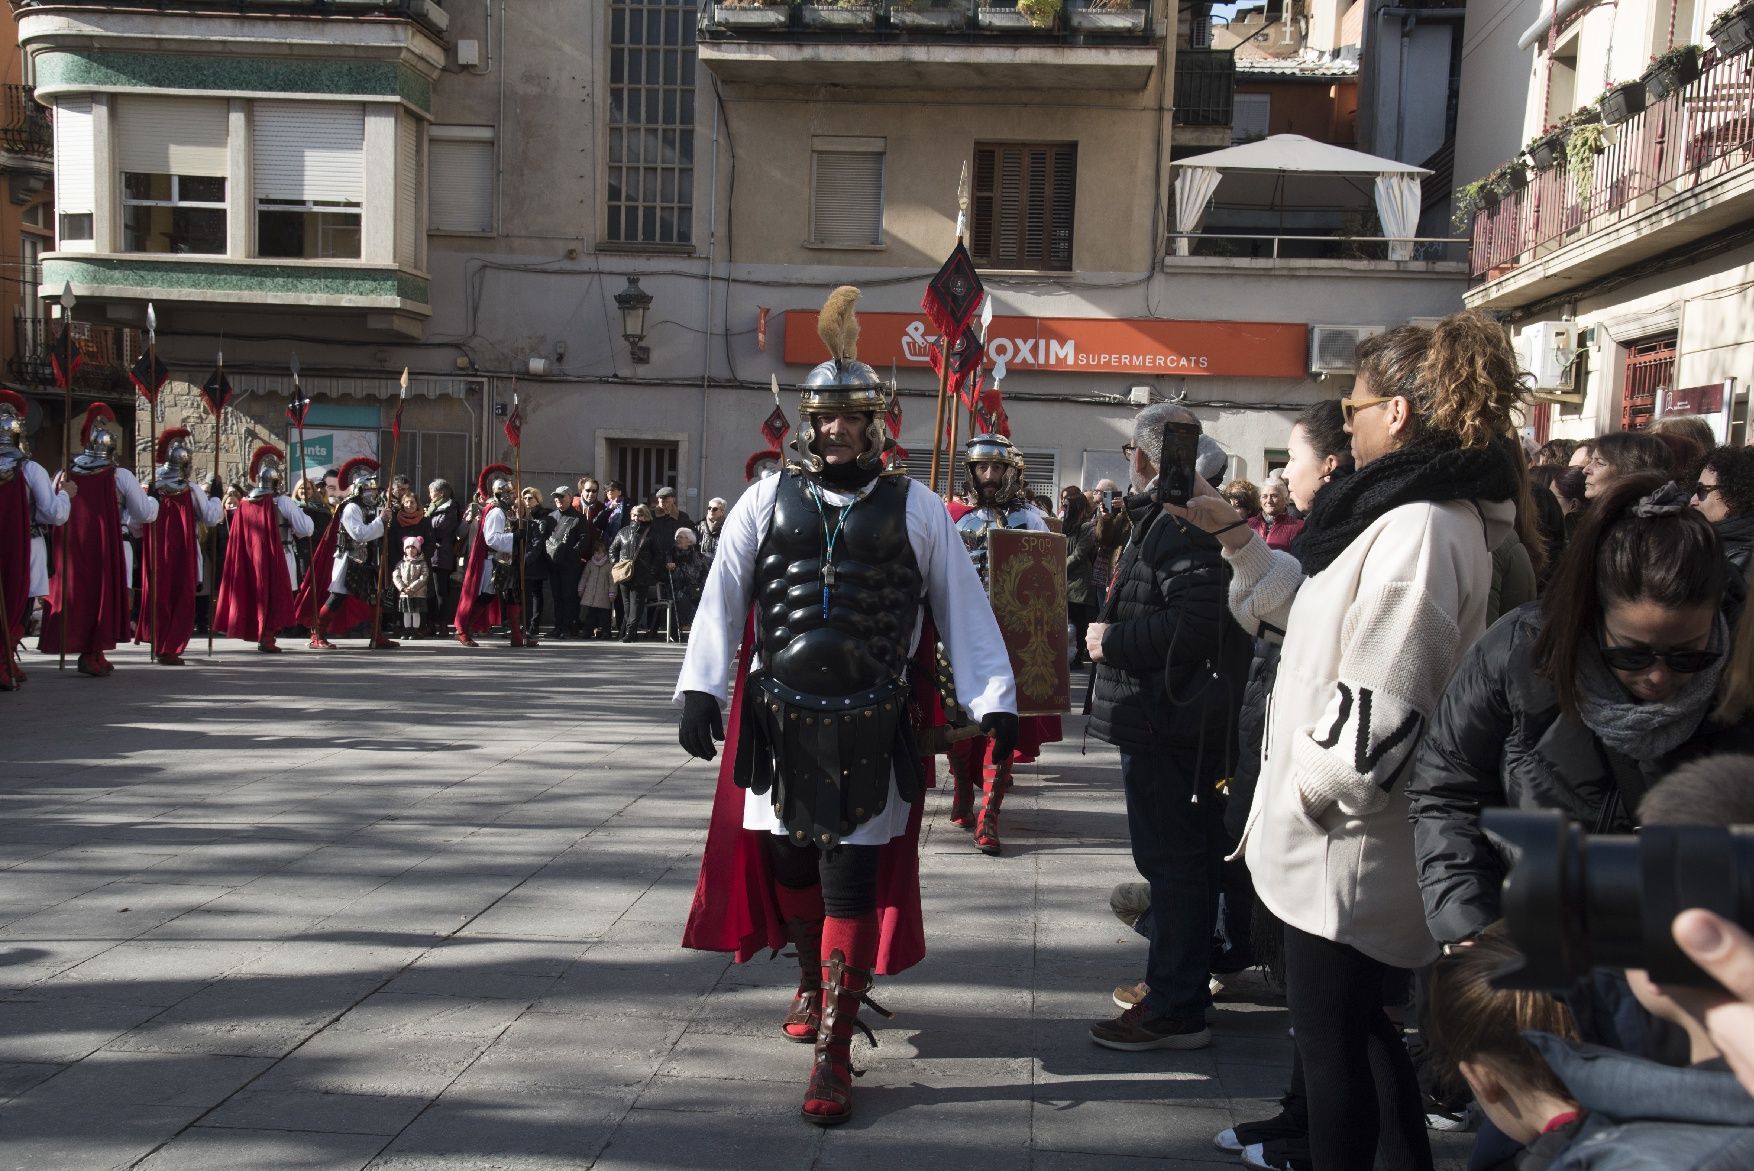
[93,413]
[11,398]
[161,450]
[490,473]
[266,451]
[352,469]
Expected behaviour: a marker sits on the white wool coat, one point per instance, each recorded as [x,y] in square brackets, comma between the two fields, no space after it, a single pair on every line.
[1370,644]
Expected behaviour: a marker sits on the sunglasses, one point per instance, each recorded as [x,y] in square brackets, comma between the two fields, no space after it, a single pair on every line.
[1684,662]
[1349,407]
[1703,490]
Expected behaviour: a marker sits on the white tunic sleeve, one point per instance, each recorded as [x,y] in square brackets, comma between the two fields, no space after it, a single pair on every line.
[496,531]
[724,603]
[207,509]
[353,520]
[960,608]
[138,509]
[295,517]
[49,506]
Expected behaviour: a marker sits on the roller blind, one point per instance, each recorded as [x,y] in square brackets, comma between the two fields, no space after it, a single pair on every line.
[407,191]
[846,203]
[172,136]
[309,151]
[459,179]
[74,164]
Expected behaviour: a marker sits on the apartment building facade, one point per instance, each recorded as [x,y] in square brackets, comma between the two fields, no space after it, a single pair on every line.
[1612,190]
[620,217]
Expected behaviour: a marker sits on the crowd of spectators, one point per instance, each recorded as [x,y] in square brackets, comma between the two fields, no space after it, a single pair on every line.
[1325,678]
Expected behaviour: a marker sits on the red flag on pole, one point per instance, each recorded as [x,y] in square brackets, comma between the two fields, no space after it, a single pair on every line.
[953,295]
[149,377]
[216,391]
[775,427]
[514,426]
[64,355]
[966,358]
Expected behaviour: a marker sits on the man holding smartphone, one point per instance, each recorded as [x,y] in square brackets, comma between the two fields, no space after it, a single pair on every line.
[1171,664]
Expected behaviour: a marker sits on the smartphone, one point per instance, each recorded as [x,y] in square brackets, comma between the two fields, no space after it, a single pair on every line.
[1175,476]
[1108,499]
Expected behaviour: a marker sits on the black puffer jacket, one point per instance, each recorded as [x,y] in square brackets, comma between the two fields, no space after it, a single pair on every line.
[1168,607]
[1499,740]
[1737,535]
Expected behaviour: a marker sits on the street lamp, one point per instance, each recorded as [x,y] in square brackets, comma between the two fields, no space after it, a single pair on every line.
[633,302]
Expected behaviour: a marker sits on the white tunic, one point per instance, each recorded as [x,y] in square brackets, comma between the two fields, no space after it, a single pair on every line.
[959,605]
[496,534]
[138,511]
[296,519]
[353,520]
[49,506]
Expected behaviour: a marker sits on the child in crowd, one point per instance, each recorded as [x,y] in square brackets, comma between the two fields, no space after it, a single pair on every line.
[596,593]
[412,578]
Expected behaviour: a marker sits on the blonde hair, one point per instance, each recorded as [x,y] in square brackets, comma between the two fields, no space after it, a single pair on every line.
[1469,1019]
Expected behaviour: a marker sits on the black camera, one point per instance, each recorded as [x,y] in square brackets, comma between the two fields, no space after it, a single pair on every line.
[1573,901]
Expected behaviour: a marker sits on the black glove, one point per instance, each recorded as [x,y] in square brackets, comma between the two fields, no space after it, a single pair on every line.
[1002,727]
[701,724]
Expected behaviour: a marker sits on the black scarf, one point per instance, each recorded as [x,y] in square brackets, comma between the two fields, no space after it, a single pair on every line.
[1431,472]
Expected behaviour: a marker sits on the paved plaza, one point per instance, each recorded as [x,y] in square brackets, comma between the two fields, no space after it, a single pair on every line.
[422,911]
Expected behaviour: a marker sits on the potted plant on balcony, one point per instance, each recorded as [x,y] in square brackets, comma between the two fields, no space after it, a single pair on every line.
[928,15]
[1471,199]
[1026,16]
[756,15]
[1621,101]
[1669,72]
[839,14]
[1545,149]
[1512,176]
[1733,31]
[1106,16]
[1582,145]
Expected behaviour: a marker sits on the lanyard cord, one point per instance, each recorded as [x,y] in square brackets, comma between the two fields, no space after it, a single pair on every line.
[830,536]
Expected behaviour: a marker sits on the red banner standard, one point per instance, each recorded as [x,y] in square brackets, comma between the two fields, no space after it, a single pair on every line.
[1096,345]
[1026,582]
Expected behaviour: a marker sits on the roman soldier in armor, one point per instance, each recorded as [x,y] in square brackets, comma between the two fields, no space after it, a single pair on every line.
[89,594]
[254,601]
[355,545]
[29,507]
[492,590]
[830,575]
[994,496]
[171,552]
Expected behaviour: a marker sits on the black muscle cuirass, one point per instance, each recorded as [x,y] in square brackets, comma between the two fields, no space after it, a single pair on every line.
[828,711]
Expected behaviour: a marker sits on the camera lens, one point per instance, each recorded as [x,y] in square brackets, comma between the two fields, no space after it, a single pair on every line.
[1573,902]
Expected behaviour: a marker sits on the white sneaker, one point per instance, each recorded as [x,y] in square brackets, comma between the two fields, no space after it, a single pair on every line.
[1225,1140]
[1255,1155]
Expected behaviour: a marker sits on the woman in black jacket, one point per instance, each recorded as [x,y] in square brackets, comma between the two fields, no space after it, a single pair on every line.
[1579,702]
[1080,527]
[634,544]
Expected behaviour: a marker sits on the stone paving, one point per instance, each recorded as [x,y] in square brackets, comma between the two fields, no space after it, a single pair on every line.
[421,911]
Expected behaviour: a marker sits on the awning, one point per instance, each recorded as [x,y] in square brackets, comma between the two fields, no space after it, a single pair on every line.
[1327,176]
[384,387]
[1567,9]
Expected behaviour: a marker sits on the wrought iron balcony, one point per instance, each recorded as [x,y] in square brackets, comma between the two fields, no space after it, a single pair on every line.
[105,353]
[24,125]
[1675,172]
[879,20]
[425,12]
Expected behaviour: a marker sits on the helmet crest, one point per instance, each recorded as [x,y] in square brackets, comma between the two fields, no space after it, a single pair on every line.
[167,438]
[843,385]
[12,400]
[490,473]
[358,469]
[263,454]
[94,414]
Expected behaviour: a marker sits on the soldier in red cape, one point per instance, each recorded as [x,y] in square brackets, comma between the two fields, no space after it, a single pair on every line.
[824,572]
[28,502]
[346,560]
[491,590]
[254,601]
[88,598]
[994,495]
[171,552]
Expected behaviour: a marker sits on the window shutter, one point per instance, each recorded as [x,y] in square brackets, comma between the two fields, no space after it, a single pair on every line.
[74,161]
[1064,187]
[172,136]
[459,188]
[986,161]
[1024,202]
[1250,115]
[846,201]
[309,151]
[407,191]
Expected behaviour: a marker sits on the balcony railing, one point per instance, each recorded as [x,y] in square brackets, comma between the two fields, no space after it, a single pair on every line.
[105,353]
[426,12]
[1205,87]
[24,125]
[1339,246]
[1078,21]
[1696,135]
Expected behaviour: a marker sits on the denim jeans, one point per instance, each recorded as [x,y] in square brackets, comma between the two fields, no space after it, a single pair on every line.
[1176,850]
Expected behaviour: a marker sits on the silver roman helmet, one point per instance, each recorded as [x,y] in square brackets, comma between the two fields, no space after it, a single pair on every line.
[994,449]
[495,483]
[843,385]
[267,471]
[359,480]
[175,451]
[98,438]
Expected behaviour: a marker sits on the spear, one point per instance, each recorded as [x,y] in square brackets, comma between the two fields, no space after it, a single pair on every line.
[384,508]
[945,343]
[65,370]
[299,406]
[213,532]
[516,435]
[150,594]
[974,393]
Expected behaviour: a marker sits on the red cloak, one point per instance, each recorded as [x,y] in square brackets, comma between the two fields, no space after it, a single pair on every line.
[170,553]
[1032,731]
[476,611]
[91,585]
[734,908]
[313,591]
[255,595]
[16,510]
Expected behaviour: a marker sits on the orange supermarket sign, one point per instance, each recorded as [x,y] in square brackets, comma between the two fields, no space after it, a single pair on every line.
[1084,345]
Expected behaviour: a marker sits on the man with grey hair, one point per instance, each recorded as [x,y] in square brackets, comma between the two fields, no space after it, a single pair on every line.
[1171,665]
